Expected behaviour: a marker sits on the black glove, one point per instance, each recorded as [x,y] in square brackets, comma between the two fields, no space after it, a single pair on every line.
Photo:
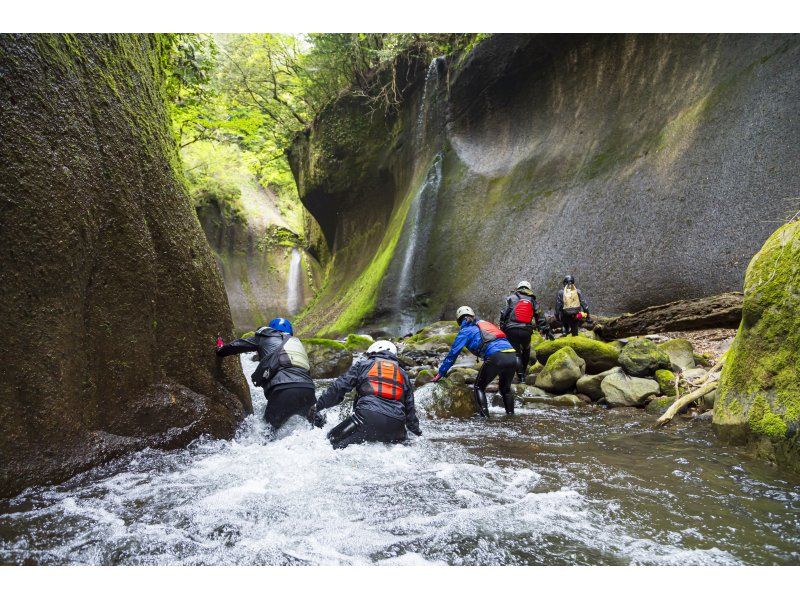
[315,417]
[416,431]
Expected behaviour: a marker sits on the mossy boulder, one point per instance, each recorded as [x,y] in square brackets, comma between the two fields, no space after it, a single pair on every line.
[659,405]
[562,370]
[681,353]
[666,382]
[358,342]
[446,398]
[328,358]
[599,356]
[462,375]
[621,390]
[423,377]
[590,384]
[642,357]
[759,393]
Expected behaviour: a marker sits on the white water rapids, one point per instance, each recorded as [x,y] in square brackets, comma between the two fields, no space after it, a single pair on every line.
[550,486]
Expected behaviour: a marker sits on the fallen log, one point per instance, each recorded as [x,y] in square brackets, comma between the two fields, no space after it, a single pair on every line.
[706,386]
[718,311]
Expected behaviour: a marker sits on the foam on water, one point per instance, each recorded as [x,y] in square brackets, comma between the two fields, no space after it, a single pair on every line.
[468,492]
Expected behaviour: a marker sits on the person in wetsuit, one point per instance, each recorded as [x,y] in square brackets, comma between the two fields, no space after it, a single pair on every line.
[384,404]
[283,371]
[488,342]
[517,319]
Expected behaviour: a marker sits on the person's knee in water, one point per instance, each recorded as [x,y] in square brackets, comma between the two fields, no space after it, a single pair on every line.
[486,341]
[518,317]
[571,307]
[384,405]
[283,370]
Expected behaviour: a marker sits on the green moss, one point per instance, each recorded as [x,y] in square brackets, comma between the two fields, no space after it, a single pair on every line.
[357,342]
[666,382]
[599,356]
[659,405]
[325,342]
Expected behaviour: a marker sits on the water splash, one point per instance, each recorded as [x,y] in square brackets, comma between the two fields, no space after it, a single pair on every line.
[294,282]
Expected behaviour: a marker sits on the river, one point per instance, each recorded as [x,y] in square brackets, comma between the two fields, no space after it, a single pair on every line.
[548,486]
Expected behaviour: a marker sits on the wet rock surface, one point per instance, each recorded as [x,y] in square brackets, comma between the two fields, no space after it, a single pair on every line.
[642,357]
[561,372]
[621,390]
[328,358]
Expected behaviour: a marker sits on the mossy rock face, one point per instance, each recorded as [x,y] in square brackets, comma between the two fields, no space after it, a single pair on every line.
[328,358]
[666,382]
[562,370]
[358,342]
[599,356]
[658,406]
[642,357]
[681,353]
[759,393]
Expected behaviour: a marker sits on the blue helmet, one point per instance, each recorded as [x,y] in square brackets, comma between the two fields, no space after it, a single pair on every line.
[281,324]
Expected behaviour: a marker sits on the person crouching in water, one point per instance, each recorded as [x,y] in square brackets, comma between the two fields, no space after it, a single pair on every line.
[571,307]
[283,371]
[384,404]
[488,342]
[517,320]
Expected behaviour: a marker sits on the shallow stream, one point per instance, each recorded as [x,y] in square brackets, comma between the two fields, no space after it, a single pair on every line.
[548,486]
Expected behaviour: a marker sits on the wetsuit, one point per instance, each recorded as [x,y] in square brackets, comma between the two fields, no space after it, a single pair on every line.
[499,357]
[517,319]
[569,322]
[384,405]
[282,373]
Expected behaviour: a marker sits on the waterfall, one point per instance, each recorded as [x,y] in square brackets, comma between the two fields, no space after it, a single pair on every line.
[428,110]
[294,282]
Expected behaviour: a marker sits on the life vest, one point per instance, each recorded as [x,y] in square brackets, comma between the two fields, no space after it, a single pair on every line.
[489,333]
[385,380]
[522,312]
[572,301]
[293,354]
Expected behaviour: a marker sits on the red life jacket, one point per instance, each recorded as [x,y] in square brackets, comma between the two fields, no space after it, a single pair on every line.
[489,333]
[384,380]
[523,310]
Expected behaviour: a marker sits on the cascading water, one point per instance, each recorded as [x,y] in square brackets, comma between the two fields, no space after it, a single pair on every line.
[548,486]
[294,282]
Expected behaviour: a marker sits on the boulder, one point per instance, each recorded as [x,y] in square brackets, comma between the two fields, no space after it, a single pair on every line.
[666,382]
[561,371]
[694,373]
[423,377]
[463,375]
[658,405]
[446,398]
[530,395]
[622,390]
[530,379]
[642,357]
[599,356]
[590,383]
[759,392]
[681,353]
[328,358]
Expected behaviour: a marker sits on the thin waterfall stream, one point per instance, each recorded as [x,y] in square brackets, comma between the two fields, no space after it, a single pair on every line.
[294,282]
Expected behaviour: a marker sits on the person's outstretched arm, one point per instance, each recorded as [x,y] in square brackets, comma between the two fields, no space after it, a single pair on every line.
[340,387]
[459,343]
[240,345]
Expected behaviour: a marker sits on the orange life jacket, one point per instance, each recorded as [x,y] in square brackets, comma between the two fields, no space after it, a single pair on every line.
[385,380]
[489,333]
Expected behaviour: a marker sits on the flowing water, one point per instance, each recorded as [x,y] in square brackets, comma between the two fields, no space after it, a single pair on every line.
[548,486]
[294,282]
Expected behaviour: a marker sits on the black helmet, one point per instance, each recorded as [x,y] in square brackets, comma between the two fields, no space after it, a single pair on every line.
[568,279]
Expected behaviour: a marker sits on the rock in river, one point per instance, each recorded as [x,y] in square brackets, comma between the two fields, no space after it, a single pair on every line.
[562,370]
[328,358]
[599,356]
[642,357]
[622,390]
[590,384]
[681,353]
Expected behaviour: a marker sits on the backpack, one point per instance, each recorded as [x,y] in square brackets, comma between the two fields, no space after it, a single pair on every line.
[523,311]
[291,353]
[572,301]
[489,333]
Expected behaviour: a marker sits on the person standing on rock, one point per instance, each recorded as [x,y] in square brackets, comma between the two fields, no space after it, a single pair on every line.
[283,372]
[486,341]
[571,307]
[517,319]
[384,404]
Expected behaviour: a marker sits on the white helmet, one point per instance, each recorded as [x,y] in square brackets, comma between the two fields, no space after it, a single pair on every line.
[379,346]
[524,284]
[464,310]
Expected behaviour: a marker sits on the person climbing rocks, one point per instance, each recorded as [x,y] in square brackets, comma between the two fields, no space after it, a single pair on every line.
[486,341]
[283,371]
[384,403]
[517,319]
[571,307]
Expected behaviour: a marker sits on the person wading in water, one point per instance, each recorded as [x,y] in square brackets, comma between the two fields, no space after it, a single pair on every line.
[488,342]
[517,319]
[571,307]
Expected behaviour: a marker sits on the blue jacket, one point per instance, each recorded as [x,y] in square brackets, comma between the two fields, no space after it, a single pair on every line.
[470,337]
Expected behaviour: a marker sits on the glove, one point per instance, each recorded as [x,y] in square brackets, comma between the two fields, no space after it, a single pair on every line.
[436,378]
[315,417]
[416,431]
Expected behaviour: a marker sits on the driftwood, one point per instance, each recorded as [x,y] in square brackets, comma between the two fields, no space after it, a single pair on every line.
[719,311]
[705,386]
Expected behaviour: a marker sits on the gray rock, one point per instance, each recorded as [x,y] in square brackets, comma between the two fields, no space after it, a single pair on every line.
[642,357]
[590,384]
[681,353]
[329,359]
[562,370]
[447,398]
[622,390]
[694,373]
